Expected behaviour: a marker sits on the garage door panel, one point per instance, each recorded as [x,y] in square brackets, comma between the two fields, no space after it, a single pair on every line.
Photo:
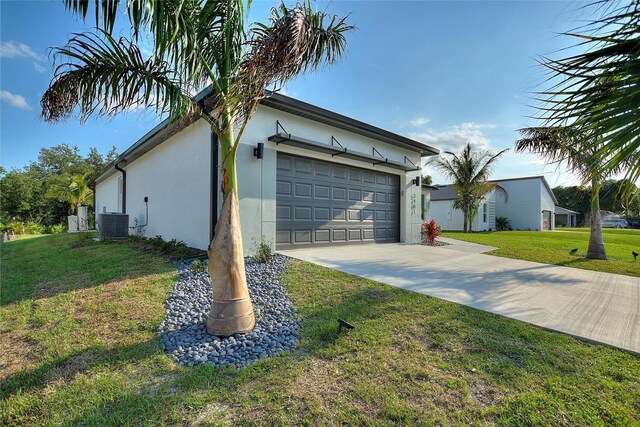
[319,202]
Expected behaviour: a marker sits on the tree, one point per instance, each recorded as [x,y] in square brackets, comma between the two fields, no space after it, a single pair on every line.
[72,189]
[426,179]
[195,43]
[470,172]
[569,146]
[598,92]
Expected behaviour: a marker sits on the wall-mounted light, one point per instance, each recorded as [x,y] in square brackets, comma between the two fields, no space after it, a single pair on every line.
[259,150]
[416,181]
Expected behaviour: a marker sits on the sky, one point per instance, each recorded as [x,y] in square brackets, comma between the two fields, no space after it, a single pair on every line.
[443,73]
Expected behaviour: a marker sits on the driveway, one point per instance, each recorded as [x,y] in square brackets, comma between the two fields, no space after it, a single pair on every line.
[601,307]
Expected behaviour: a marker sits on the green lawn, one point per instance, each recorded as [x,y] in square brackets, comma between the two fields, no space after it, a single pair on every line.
[77,328]
[554,247]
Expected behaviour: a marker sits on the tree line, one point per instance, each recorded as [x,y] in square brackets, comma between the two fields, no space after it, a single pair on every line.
[43,193]
[578,198]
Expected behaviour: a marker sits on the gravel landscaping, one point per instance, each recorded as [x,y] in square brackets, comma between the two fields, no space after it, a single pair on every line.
[184,334]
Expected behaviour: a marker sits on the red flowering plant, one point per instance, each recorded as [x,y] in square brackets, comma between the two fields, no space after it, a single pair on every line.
[430,230]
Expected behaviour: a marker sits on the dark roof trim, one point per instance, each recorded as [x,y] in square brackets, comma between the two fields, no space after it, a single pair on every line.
[166,128]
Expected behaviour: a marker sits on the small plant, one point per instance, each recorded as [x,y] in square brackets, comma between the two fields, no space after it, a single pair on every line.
[33,228]
[263,250]
[503,223]
[430,230]
[55,229]
[199,266]
[138,230]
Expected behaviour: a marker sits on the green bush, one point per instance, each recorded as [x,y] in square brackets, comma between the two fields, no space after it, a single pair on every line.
[55,229]
[263,251]
[15,227]
[503,223]
[199,266]
[33,228]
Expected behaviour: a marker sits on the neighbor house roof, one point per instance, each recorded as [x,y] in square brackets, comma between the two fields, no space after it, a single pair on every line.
[564,211]
[168,128]
[448,192]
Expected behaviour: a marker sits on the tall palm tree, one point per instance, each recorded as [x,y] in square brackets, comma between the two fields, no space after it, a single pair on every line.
[470,172]
[576,150]
[598,92]
[195,43]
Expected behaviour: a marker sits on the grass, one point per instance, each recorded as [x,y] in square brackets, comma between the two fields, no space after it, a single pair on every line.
[79,326]
[554,247]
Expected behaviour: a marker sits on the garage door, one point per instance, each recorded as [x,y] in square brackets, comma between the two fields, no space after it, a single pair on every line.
[323,203]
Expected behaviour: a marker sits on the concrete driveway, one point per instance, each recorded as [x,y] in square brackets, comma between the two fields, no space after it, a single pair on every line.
[601,307]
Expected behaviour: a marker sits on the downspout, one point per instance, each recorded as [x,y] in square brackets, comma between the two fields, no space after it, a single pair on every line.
[124,187]
[95,215]
[213,199]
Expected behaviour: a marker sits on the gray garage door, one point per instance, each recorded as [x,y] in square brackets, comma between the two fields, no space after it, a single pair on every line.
[322,203]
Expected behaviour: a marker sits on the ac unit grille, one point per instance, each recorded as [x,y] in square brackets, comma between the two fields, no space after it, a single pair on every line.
[113,226]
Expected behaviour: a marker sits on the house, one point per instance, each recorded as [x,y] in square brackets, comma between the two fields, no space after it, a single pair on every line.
[307,176]
[425,201]
[529,205]
[566,217]
[450,218]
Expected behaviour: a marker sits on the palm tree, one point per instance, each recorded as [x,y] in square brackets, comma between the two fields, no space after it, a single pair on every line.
[470,172]
[598,92]
[195,43]
[576,150]
[72,189]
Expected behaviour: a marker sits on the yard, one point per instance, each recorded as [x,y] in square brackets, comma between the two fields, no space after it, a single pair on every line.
[78,327]
[554,247]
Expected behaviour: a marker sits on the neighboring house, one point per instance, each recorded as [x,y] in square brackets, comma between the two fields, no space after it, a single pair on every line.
[450,218]
[529,205]
[566,217]
[323,179]
[425,201]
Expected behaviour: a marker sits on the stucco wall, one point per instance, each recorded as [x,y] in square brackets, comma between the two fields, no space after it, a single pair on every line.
[257,178]
[107,194]
[547,204]
[453,219]
[523,205]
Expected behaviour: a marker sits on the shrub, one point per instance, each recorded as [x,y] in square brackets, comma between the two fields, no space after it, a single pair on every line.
[430,230]
[263,250]
[33,228]
[503,223]
[199,266]
[55,229]
[14,227]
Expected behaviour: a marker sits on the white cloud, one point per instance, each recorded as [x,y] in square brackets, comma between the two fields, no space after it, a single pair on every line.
[419,121]
[456,137]
[15,100]
[13,49]
[39,68]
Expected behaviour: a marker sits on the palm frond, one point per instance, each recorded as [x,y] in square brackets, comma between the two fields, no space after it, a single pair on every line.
[99,73]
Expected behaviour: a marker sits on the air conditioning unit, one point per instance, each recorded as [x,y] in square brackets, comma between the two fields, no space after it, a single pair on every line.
[113,226]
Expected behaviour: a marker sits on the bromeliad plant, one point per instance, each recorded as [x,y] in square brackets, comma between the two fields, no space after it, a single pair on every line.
[430,231]
[195,43]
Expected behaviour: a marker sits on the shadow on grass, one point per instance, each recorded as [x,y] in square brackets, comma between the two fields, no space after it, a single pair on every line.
[82,361]
[51,265]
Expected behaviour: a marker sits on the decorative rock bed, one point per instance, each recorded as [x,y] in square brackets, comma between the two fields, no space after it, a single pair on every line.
[184,335]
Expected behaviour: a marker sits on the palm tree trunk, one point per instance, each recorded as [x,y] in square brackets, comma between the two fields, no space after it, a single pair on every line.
[465,220]
[596,243]
[231,309]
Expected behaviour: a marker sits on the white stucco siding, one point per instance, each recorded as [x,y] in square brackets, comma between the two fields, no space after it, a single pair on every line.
[107,194]
[523,205]
[446,216]
[175,176]
[257,178]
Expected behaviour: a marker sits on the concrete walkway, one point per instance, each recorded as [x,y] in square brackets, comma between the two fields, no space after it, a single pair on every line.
[601,307]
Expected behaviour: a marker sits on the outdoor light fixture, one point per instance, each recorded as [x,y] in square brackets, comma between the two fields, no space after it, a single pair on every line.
[416,181]
[259,151]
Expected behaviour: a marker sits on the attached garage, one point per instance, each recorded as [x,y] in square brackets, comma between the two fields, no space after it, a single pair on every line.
[307,176]
[319,202]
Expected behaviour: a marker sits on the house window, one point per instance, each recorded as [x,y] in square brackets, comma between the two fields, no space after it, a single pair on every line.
[484,213]
[423,206]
